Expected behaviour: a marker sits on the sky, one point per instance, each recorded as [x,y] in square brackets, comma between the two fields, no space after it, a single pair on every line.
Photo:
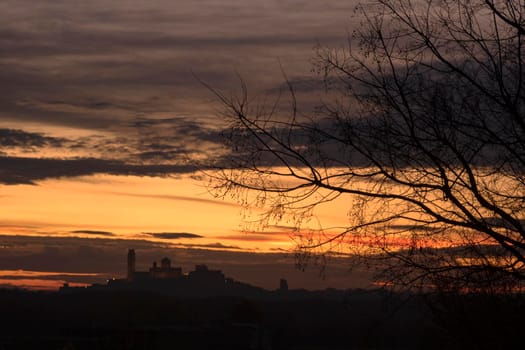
[104,119]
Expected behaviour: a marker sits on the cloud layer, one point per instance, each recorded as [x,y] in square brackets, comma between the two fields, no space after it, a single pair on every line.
[172,235]
[123,74]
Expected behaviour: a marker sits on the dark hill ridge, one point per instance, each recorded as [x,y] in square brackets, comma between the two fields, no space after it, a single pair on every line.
[164,308]
[132,319]
[321,320]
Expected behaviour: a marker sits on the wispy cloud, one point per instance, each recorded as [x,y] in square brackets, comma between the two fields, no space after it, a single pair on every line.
[172,235]
[94,232]
[177,198]
[251,237]
[217,245]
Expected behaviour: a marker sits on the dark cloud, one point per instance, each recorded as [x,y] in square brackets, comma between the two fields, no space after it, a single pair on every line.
[415,228]
[116,41]
[498,222]
[159,146]
[251,237]
[168,130]
[173,235]
[216,245]
[160,155]
[17,170]
[280,250]
[165,140]
[97,65]
[93,232]
[283,227]
[308,84]
[24,139]
[465,251]
[70,277]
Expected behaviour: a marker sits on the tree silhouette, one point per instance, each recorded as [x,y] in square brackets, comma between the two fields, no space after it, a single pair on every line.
[423,140]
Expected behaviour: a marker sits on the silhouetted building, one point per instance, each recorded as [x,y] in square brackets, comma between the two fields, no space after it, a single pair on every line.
[165,271]
[283,285]
[131,264]
[171,280]
[204,276]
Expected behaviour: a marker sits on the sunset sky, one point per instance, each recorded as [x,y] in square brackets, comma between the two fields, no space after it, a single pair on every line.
[103,119]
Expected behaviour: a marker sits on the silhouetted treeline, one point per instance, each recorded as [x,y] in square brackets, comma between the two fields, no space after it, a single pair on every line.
[280,320]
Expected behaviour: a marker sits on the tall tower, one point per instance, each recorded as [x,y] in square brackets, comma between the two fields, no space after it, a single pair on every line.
[283,285]
[131,264]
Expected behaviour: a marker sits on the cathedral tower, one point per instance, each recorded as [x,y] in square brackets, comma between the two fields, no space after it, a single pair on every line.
[131,264]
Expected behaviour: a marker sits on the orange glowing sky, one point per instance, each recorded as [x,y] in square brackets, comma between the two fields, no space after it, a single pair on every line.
[127,207]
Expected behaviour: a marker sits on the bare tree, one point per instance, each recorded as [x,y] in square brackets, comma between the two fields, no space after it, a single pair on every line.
[424,144]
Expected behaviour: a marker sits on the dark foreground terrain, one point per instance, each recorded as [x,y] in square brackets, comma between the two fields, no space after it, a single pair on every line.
[279,320]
